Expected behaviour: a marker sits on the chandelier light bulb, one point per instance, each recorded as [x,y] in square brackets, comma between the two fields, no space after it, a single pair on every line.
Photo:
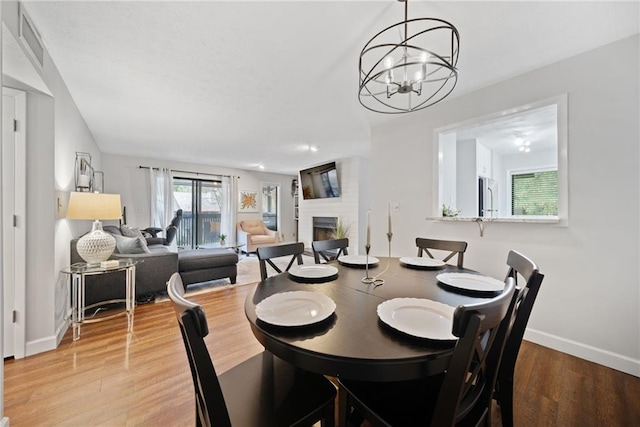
[519,140]
[527,143]
[526,150]
[388,62]
[521,148]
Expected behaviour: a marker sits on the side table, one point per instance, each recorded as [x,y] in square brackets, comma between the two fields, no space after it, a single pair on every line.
[79,271]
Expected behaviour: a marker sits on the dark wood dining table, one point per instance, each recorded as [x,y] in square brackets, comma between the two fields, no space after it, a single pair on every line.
[353,343]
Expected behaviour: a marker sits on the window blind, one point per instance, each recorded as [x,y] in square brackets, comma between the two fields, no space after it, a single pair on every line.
[534,193]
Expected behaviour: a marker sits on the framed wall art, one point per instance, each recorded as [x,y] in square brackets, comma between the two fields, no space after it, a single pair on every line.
[248,201]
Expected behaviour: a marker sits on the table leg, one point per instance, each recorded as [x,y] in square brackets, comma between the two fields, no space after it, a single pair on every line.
[130,296]
[77,304]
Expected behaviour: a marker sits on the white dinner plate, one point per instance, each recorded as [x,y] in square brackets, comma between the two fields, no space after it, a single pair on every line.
[471,282]
[422,262]
[418,317]
[357,260]
[313,273]
[295,308]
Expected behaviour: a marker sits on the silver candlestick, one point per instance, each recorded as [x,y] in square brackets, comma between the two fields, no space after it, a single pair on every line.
[367,279]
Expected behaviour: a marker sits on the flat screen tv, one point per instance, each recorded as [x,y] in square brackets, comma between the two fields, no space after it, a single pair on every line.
[320,182]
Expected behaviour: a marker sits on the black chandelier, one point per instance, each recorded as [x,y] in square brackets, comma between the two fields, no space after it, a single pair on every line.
[412,74]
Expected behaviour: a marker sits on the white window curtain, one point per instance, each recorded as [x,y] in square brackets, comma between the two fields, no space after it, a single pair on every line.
[228,214]
[162,204]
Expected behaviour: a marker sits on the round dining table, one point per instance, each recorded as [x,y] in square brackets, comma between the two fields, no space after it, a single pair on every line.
[353,343]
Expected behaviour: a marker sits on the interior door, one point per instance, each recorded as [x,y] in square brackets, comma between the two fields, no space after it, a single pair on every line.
[14,119]
[8,232]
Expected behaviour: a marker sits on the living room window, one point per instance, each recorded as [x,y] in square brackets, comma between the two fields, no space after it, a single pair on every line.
[201,203]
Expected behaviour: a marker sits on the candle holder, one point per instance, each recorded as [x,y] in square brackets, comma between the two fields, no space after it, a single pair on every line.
[367,279]
[376,280]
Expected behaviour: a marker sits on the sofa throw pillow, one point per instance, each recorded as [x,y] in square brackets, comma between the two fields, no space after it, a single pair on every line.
[131,245]
[131,231]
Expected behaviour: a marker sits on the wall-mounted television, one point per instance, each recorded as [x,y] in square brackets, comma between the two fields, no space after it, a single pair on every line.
[320,182]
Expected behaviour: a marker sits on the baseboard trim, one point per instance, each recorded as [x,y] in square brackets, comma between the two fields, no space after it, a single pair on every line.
[40,346]
[60,331]
[612,360]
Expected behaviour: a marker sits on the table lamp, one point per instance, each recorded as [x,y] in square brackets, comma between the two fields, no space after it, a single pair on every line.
[95,246]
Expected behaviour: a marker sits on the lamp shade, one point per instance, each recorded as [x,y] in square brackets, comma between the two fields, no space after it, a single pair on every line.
[94,206]
[95,246]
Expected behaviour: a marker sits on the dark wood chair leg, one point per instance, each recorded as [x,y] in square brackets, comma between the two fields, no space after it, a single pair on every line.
[506,403]
[329,416]
[343,407]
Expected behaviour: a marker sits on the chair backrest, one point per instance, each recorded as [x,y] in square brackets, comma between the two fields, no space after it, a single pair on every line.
[523,266]
[211,408]
[327,249]
[455,248]
[267,253]
[172,229]
[467,387]
[253,226]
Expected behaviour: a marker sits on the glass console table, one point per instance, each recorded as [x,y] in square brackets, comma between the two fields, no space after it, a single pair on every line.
[78,273]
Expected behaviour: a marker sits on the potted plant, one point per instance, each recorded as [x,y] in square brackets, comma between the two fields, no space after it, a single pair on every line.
[223,238]
[342,230]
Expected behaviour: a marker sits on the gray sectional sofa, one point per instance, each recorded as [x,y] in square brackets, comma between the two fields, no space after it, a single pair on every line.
[156,268]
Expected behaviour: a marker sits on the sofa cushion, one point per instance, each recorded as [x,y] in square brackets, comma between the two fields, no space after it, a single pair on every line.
[131,231]
[253,227]
[131,245]
[112,229]
[257,239]
[198,259]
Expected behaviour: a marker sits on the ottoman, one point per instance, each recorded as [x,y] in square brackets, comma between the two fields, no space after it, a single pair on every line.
[202,265]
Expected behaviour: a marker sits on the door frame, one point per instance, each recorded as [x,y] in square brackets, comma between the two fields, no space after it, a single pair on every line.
[20,203]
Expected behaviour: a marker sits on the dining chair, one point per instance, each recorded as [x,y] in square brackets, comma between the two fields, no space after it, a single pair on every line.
[261,391]
[461,395]
[453,246]
[266,254]
[519,265]
[327,249]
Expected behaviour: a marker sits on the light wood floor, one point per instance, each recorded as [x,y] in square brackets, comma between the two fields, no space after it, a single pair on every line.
[111,378]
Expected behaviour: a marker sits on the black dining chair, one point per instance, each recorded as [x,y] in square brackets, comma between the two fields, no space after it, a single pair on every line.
[461,395]
[261,391]
[453,246]
[519,265]
[329,249]
[266,254]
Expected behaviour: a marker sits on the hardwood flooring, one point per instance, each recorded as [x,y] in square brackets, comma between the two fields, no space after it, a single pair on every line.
[111,378]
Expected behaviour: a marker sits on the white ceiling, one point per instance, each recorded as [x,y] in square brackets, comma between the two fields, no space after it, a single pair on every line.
[241,83]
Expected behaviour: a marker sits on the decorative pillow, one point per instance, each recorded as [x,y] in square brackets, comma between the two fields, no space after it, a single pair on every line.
[131,231]
[131,245]
[253,227]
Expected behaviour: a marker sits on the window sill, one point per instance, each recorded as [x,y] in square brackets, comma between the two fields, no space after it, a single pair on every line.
[538,220]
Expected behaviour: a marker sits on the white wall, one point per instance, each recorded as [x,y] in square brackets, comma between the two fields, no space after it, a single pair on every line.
[589,302]
[351,206]
[123,175]
[55,131]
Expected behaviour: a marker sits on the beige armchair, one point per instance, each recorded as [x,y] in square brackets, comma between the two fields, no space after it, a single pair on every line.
[253,234]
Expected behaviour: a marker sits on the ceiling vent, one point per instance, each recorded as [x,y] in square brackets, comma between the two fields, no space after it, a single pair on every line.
[30,39]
